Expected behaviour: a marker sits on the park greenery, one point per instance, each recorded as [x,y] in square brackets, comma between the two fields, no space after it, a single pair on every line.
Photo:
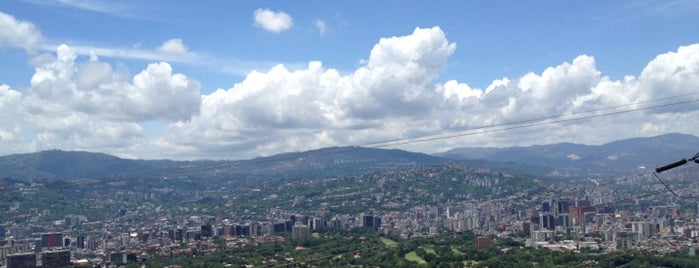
[363,247]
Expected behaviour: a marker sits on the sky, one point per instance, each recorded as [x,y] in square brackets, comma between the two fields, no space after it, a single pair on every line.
[241,79]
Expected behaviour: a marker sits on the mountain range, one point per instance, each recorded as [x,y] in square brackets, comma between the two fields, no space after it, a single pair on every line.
[628,155]
[333,161]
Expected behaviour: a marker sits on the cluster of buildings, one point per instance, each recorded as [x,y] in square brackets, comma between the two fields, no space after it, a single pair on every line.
[48,251]
[559,217]
[662,228]
[99,243]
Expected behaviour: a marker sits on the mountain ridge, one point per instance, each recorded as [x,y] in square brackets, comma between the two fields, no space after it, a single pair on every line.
[618,156]
[614,157]
[71,165]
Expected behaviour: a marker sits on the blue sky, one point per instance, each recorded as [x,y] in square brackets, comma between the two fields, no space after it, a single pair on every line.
[182,79]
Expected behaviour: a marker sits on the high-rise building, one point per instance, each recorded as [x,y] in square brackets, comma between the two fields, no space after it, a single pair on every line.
[51,240]
[300,231]
[289,224]
[255,229]
[336,223]
[206,230]
[242,230]
[123,258]
[92,243]
[21,260]
[80,241]
[564,205]
[228,229]
[179,234]
[545,206]
[279,227]
[371,222]
[563,220]
[55,259]
[547,221]
[317,223]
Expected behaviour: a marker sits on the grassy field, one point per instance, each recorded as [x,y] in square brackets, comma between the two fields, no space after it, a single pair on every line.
[412,256]
[388,242]
[429,249]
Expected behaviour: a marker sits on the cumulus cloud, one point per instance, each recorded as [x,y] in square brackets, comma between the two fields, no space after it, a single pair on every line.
[395,84]
[88,105]
[10,128]
[397,93]
[16,33]
[93,87]
[674,72]
[397,79]
[173,46]
[275,22]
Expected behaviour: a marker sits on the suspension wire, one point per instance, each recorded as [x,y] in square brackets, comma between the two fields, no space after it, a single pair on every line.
[439,136]
[615,201]
[667,189]
[665,185]
[432,137]
[539,119]
[519,124]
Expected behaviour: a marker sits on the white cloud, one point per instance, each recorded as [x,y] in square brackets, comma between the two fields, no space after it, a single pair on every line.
[671,73]
[289,109]
[93,87]
[320,25]
[75,103]
[137,53]
[17,33]
[87,105]
[10,128]
[394,95]
[237,67]
[173,46]
[275,22]
[397,79]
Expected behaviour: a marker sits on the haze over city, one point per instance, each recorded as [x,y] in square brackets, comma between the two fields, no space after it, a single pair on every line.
[232,80]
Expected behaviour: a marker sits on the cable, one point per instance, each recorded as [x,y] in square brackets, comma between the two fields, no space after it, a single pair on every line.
[530,120]
[665,185]
[447,135]
[694,158]
[667,189]
[457,134]
[438,136]
[406,241]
